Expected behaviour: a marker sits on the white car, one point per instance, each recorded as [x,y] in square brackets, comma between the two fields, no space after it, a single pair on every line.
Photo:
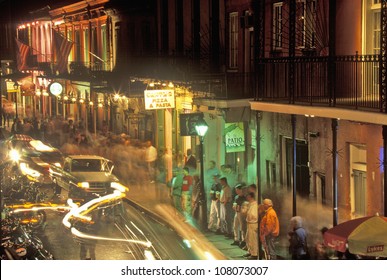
[84,177]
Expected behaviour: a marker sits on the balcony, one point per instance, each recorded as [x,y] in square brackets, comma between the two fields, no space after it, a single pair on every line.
[356,82]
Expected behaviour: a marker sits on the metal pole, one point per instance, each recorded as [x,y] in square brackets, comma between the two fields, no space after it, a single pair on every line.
[259,188]
[385,168]
[334,170]
[294,165]
[17,115]
[202,196]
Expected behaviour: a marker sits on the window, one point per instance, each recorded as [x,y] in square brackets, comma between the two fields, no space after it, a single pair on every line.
[86,47]
[320,188]
[233,27]
[277,25]
[300,23]
[376,31]
[104,49]
[371,44]
[94,41]
[306,23]
[371,26]
[77,41]
[70,38]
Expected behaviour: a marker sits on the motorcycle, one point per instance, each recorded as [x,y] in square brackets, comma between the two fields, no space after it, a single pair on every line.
[35,219]
[19,243]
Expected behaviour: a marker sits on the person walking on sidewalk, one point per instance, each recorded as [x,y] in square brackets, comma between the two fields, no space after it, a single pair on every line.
[176,185]
[150,159]
[298,246]
[269,229]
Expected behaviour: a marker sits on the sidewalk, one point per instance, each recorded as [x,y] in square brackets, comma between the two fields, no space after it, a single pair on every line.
[154,195]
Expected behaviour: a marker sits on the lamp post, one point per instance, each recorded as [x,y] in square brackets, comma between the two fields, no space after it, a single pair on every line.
[16,88]
[201,128]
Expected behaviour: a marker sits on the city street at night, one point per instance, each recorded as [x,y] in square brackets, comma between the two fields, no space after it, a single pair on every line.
[217,130]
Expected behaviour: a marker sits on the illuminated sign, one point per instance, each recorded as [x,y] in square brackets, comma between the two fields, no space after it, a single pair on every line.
[55,88]
[10,87]
[188,123]
[235,137]
[159,99]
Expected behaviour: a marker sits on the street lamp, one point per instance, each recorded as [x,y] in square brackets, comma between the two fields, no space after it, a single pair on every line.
[201,128]
[16,87]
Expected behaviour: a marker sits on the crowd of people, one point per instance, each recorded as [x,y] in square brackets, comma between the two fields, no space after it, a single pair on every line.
[232,207]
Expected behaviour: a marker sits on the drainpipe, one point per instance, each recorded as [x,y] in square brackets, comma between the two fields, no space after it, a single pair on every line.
[258,154]
[258,172]
[334,170]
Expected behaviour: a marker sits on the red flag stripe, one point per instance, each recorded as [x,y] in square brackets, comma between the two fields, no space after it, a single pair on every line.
[21,55]
[62,50]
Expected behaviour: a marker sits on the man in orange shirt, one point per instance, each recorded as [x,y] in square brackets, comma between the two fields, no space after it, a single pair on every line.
[269,229]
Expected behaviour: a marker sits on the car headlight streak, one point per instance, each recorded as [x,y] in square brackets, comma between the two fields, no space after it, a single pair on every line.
[25,169]
[80,212]
[118,186]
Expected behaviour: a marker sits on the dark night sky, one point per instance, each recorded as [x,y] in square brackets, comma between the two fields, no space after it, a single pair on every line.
[19,10]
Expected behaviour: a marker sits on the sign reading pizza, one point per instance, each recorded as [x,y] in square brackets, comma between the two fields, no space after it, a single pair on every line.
[159,99]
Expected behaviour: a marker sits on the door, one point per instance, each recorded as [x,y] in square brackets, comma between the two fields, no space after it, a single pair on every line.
[302,168]
[360,183]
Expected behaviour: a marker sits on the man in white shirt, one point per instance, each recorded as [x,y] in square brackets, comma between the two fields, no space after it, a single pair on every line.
[252,227]
[226,217]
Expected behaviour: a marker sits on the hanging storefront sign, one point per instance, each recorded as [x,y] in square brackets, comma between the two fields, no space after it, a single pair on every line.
[188,123]
[235,137]
[159,99]
[11,87]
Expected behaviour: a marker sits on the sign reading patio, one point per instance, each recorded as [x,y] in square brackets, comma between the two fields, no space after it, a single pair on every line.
[235,137]
[159,99]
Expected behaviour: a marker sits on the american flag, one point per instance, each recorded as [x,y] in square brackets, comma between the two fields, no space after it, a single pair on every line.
[21,55]
[62,50]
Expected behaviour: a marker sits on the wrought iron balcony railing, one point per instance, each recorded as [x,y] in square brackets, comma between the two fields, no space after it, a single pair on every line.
[356,82]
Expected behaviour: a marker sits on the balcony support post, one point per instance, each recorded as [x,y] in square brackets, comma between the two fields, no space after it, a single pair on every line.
[294,165]
[334,170]
[385,168]
[258,117]
[383,58]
